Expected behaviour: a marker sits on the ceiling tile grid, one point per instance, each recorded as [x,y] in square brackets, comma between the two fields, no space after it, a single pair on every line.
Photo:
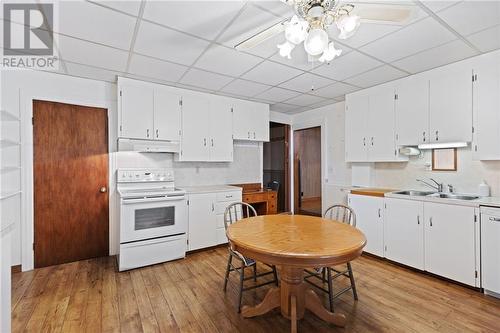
[190,44]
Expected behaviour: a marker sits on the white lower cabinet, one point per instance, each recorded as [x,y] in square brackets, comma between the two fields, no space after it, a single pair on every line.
[370,220]
[450,246]
[404,232]
[206,218]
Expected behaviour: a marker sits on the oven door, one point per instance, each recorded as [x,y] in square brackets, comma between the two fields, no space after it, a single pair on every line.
[146,218]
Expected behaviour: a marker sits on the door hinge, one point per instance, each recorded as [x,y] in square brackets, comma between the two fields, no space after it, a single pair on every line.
[475,148]
[395,152]
[180,102]
[475,218]
[472,129]
[120,92]
[181,152]
[120,128]
[385,206]
[475,274]
[385,248]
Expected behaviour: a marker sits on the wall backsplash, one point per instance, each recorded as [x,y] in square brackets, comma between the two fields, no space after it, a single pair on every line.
[246,167]
[466,179]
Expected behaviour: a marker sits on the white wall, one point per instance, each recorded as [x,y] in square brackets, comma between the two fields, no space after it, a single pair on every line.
[18,90]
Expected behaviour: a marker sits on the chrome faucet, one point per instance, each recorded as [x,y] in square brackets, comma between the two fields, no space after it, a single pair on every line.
[437,186]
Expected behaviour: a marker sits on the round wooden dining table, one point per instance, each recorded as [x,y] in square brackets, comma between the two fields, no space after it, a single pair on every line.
[293,243]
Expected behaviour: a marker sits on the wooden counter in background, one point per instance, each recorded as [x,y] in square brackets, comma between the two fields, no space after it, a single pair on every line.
[264,201]
[373,192]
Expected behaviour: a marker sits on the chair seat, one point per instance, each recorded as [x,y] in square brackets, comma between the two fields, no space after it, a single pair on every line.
[246,261]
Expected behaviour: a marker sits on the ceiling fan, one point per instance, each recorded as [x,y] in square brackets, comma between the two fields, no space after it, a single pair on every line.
[312,18]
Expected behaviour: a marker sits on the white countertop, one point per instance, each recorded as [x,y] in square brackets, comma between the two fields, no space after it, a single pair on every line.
[486,201]
[209,188]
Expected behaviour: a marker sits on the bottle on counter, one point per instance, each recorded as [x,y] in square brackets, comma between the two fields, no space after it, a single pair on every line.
[484,189]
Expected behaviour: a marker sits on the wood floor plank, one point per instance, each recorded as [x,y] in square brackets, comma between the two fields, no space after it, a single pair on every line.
[187,296]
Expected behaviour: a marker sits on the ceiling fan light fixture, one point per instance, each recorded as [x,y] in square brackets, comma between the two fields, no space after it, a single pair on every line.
[296,30]
[348,24]
[316,41]
[286,49]
[330,53]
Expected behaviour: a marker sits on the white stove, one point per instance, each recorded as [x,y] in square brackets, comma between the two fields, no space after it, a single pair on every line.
[153,217]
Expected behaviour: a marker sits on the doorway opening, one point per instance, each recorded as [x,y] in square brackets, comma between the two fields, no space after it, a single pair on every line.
[276,175]
[70,175]
[307,171]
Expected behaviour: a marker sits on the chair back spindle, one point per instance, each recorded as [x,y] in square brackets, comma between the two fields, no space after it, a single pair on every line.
[341,213]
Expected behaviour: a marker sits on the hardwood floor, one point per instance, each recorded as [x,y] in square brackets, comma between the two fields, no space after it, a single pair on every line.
[186,296]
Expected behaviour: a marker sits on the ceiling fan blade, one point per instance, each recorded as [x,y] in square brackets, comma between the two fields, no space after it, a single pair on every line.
[261,36]
[382,13]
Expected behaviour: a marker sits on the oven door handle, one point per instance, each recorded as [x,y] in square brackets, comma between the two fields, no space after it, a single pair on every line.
[146,200]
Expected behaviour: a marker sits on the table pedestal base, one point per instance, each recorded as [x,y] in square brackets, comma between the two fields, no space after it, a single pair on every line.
[293,297]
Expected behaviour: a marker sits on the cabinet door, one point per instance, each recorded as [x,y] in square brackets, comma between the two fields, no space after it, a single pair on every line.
[202,221]
[486,91]
[412,111]
[167,115]
[490,250]
[381,139]
[404,232]
[355,130]
[451,106]
[136,112]
[195,131]
[242,118]
[370,220]
[450,242]
[260,122]
[221,131]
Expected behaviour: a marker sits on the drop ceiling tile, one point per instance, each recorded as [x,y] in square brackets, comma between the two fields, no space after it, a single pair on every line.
[205,80]
[130,7]
[306,83]
[486,40]
[201,18]
[226,60]
[276,7]
[91,72]
[267,47]
[299,59]
[271,73]
[250,22]
[417,37]
[376,76]
[436,5]
[277,94]
[366,33]
[167,44]
[244,88]
[347,65]
[305,100]
[335,90]
[469,17]
[107,26]
[283,107]
[439,56]
[76,50]
[161,70]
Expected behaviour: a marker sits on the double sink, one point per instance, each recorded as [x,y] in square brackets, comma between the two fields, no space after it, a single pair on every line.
[437,195]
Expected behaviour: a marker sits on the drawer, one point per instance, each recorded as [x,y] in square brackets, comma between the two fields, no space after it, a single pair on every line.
[220,207]
[221,236]
[256,197]
[229,196]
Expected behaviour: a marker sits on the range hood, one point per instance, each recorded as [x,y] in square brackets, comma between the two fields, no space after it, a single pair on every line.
[442,145]
[148,146]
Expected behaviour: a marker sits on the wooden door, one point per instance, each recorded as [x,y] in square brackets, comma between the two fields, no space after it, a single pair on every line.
[404,232]
[70,156]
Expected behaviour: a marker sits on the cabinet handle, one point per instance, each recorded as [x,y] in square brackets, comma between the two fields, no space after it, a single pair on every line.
[418,219]
[213,207]
[379,213]
[437,135]
[423,135]
[156,133]
[430,221]
[254,135]
[147,132]
[249,135]
[364,142]
[205,142]
[212,142]
[372,140]
[494,219]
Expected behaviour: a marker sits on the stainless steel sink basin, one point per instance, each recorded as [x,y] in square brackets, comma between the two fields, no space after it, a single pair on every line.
[454,196]
[415,193]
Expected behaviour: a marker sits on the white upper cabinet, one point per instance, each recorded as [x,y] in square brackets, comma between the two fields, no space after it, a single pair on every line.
[412,111]
[221,130]
[404,232]
[451,104]
[356,108]
[250,121]
[136,111]
[450,248]
[486,108]
[195,129]
[167,115]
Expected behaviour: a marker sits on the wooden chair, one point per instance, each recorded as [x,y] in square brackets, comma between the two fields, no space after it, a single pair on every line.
[346,215]
[234,213]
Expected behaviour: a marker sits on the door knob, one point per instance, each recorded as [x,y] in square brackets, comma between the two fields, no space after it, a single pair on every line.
[103,189]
